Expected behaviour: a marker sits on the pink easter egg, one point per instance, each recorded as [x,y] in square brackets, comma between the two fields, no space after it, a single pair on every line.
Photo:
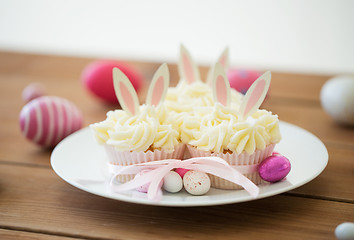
[274,168]
[241,79]
[32,91]
[181,171]
[97,78]
[144,188]
[48,120]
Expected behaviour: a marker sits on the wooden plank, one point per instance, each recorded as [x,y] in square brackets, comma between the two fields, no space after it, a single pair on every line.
[36,199]
[316,121]
[336,181]
[285,85]
[14,234]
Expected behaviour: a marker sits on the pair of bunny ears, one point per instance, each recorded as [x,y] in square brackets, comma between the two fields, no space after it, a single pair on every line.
[220,85]
[217,79]
[188,69]
[127,95]
[253,98]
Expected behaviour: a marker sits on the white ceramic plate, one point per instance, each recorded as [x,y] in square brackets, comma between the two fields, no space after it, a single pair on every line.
[79,160]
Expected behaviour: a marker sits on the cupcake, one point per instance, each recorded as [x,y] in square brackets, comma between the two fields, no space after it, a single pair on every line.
[139,134]
[243,137]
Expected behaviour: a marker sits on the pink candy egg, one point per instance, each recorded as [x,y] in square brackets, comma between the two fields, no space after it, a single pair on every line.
[196,183]
[241,80]
[181,171]
[274,168]
[32,91]
[144,188]
[97,78]
[47,120]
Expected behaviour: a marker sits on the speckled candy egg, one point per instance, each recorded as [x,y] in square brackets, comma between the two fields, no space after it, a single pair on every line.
[172,182]
[274,168]
[337,99]
[196,183]
[241,79]
[97,78]
[47,120]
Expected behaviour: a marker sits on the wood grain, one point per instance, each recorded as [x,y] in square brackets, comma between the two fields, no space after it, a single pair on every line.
[36,204]
[23,235]
[40,200]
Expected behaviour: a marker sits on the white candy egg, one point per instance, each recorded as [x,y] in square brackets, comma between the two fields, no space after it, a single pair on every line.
[172,182]
[196,183]
[337,98]
[345,231]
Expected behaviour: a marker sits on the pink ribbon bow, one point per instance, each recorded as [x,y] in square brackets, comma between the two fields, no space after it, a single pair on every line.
[212,165]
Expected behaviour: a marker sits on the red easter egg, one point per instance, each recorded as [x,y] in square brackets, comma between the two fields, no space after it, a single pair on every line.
[97,78]
[48,120]
[241,79]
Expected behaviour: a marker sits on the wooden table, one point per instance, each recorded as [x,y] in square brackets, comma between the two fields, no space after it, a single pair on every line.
[36,204]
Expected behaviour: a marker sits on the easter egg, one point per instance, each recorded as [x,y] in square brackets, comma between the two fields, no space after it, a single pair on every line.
[144,188]
[172,182]
[181,171]
[337,99]
[241,79]
[196,183]
[32,91]
[97,78]
[47,120]
[274,168]
[345,231]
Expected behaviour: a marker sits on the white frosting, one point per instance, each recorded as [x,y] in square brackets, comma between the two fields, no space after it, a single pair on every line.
[148,129]
[222,130]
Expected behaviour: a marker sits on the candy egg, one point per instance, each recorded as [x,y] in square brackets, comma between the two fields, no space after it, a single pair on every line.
[274,168]
[32,91]
[181,171]
[345,231]
[97,78]
[144,188]
[196,183]
[47,120]
[172,182]
[241,80]
[337,99]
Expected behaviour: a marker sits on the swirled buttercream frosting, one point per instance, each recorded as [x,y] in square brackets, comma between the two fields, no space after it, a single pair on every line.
[222,130]
[185,97]
[151,128]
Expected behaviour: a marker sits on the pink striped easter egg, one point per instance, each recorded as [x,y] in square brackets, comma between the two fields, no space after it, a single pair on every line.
[48,120]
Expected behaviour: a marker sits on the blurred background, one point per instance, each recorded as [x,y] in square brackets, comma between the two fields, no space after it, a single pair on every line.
[303,36]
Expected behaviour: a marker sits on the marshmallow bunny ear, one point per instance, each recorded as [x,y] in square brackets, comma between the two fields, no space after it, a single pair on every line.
[158,86]
[223,60]
[220,85]
[255,95]
[125,92]
[187,68]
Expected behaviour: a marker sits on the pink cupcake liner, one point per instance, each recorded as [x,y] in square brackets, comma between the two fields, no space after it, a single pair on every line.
[126,158]
[235,159]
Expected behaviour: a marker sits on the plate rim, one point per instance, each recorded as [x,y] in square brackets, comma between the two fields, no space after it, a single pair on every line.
[145,201]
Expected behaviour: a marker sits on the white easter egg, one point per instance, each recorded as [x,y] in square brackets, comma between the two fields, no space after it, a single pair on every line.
[337,98]
[172,182]
[47,120]
[345,231]
[196,183]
